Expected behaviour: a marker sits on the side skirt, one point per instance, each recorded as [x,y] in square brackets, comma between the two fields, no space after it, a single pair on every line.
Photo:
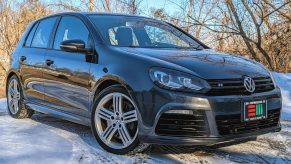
[58,114]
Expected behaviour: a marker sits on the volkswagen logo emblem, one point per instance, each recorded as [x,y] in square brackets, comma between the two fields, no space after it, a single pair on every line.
[249,84]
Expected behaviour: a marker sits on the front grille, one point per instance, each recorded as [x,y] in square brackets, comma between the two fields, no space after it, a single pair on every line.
[221,87]
[182,125]
[232,124]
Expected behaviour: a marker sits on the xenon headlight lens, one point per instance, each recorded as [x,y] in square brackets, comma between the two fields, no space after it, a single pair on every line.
[175,80]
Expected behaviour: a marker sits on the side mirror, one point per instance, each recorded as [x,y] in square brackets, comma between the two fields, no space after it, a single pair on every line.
[74,46]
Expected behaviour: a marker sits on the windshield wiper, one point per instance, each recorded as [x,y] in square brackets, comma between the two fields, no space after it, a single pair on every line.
[188,48]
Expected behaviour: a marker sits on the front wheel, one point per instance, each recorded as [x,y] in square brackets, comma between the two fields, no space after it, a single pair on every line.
[115,121]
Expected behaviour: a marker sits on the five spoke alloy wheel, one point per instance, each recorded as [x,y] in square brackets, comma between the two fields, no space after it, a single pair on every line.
[13,96]
[116,120]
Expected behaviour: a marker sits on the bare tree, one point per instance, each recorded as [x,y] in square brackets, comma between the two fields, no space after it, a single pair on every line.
[91,5]
[132,6]
[14,18]
[190,11]
[254,41]
[106,5]
[227,23]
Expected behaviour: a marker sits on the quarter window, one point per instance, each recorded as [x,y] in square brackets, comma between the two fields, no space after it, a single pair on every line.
[71,28]
[43,32]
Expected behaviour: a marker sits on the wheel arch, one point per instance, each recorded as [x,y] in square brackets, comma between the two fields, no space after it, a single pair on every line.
[9,74]
[108,81]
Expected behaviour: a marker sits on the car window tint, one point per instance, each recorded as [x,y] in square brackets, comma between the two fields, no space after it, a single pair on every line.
[162,37]
[113,39]
[124,31]
[30,36]
[43,32]
[71,28]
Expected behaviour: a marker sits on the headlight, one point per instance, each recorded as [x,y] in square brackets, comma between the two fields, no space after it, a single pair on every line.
[175,80]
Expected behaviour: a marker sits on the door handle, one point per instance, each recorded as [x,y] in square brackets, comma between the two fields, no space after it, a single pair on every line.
[49,62]
[22,58]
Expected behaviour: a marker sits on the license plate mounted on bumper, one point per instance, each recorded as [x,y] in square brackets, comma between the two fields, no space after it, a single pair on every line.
[254,110]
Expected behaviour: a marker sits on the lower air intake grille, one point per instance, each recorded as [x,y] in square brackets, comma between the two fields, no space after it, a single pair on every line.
[232,124]
[182,125]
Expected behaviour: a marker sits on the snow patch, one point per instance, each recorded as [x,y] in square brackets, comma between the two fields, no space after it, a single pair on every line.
[3,105]
[284,82]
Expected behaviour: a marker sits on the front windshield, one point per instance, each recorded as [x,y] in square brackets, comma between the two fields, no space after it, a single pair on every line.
[126,31]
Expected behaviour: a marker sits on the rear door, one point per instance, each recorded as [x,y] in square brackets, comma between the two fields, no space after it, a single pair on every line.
[32,59]
[66,74]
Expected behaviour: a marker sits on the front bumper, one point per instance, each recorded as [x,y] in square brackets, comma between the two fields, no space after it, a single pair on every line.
[152,105]
[167,140]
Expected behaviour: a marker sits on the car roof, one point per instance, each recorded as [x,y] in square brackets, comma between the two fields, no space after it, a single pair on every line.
[92,13]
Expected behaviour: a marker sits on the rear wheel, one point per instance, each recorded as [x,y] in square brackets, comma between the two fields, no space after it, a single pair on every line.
[115,121]
[15,103]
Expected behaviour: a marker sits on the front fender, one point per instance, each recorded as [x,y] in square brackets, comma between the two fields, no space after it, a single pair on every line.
[10,72]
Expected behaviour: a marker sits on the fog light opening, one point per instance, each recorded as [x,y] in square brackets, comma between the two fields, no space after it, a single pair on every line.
[188,112]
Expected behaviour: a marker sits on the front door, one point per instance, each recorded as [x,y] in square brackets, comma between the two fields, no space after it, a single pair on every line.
[66,74]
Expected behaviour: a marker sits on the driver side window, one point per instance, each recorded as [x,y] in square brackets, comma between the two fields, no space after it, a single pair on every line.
[71,28]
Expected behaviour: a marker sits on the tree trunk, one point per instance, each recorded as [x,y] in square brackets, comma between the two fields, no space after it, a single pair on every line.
[190,10]
[266,55]
[241,30]
[91,5]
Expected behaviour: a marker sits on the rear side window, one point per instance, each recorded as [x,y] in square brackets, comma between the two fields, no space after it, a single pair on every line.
[71,28]
[30,36]
[43,32]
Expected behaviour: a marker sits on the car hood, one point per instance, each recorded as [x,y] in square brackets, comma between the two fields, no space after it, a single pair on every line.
[207,64]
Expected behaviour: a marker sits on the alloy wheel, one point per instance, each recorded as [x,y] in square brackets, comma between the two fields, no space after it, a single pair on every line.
[116,120]
[13,96]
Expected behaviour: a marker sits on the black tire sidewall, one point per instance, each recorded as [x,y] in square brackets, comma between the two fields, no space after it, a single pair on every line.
[132,146]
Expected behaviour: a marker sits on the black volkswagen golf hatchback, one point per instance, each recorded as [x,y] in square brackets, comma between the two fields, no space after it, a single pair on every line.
[138,81]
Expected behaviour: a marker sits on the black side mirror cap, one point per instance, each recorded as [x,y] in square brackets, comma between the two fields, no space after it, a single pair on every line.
[75,46]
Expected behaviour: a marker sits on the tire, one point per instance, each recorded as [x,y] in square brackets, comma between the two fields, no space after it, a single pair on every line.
[15,99]
[118,117]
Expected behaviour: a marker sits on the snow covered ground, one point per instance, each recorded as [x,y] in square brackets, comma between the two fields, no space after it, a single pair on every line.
[44,139]
[284,81]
